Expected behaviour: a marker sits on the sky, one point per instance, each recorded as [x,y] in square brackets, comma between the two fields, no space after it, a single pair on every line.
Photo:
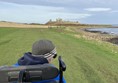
[40,11]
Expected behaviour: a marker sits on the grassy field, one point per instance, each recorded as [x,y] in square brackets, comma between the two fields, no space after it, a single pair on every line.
[20,25]
[87,61]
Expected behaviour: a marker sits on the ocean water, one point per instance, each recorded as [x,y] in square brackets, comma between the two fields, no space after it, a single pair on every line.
[113,31]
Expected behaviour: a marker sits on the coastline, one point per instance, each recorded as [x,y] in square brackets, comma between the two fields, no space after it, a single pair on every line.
[104,36]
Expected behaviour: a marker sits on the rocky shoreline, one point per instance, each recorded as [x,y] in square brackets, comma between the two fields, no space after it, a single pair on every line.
[95,31]
[104,36]
[114,40]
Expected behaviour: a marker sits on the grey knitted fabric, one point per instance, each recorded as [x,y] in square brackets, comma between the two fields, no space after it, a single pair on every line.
[42,47]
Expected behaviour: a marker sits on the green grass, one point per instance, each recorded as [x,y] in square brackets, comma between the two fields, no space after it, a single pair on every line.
[87,61]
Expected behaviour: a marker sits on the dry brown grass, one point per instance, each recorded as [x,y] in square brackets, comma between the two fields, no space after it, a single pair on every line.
[81,33]
[19,25]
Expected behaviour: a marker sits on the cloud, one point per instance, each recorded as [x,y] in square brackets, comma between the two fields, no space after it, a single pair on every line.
[33,13]
[67,3]
[71,15]
[98,9]
[43,10]
[114,11]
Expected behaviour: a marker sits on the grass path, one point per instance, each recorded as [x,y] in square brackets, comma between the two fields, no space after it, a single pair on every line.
[87,61]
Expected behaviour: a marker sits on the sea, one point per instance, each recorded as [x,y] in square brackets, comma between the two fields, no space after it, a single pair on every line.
[112,30]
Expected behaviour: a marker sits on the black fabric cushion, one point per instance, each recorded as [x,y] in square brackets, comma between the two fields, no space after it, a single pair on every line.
[35,72]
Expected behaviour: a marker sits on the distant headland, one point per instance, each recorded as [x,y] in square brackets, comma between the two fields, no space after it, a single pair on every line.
[57,22]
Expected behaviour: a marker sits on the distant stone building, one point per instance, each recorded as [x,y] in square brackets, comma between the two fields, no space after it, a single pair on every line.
[60,21]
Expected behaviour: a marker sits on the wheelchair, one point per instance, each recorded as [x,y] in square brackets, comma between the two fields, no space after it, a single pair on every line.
[32,73]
